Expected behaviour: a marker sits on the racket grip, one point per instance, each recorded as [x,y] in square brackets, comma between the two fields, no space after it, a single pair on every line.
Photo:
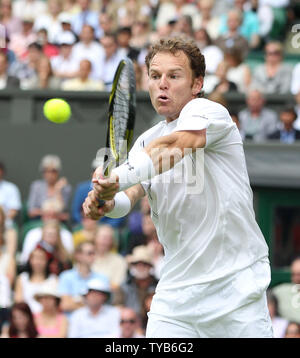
[100,201]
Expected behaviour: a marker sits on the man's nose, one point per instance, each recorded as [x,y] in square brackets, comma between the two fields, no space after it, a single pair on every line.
[163,82]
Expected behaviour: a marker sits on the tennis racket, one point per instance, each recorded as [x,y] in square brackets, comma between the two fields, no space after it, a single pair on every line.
[121,117]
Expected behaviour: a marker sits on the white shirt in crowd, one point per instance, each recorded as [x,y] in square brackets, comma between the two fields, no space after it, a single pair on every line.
[64,65]
[295,84]
[207,233]
[35,235]
[5,292]
[105,324]
[10,198]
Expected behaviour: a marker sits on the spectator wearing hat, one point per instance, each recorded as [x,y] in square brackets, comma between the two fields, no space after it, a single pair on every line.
[130,325]
[10,197]
[139,280]
[107,261]
[287,133]
[65,65]
[51,186]
[72,282]
[85,231]
[97,318]
[32,8]
[50,322]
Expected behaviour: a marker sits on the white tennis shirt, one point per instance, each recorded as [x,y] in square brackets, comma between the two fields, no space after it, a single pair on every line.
[210,232]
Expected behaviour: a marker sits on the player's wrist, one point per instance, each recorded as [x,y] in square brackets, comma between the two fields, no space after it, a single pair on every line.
[121,206]
[138,168]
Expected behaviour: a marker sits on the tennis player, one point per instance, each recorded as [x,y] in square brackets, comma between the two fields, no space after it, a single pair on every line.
[216,269]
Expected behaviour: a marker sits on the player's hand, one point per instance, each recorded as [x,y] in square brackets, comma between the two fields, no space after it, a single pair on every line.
[91,207]
[105,188]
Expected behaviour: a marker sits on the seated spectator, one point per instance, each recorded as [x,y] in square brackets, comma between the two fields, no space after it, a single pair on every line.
[50,322]
[72,282]
[136,216]
[108,262]
[111,59]
[50,20]
[83,82]
[12,23]
[238,72]
[231,39]
[131,10]
[65,19]
[86,17]
[36,275]
[273,76]
[249,26]
[279,324]
[287,133]
[65,65]
[206,20]
[97,318]
[292,330]
[50,50]
[297,109]
[21,323]
[139,280]
[107,21]
[124,36]
[146,307]
[130,325]
[295,83]
[51,211]
[183,26]
[32,8]
[223,85]
[19,41]
[141,33]
[218,97]
[288,293]
[89,49]
[157,252]
[51,186]
[87,232]
[44,78]
[6,80]
[8,245]
[5,300]
[10,197]
[257,121]
[235,118]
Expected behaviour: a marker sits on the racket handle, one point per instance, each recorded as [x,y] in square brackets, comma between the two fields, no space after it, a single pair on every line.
[100,201]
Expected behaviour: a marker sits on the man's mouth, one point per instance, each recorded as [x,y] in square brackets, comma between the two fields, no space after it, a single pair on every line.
[163,98]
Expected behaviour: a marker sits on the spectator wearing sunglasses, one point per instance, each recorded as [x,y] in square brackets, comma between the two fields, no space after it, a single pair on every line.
[130,324]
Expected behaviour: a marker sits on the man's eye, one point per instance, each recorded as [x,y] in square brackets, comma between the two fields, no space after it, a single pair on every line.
[154,77]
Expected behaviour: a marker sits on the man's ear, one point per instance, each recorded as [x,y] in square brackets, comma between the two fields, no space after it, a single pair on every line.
[197,85]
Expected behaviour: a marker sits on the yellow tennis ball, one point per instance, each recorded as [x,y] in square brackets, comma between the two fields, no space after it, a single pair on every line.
[57,110]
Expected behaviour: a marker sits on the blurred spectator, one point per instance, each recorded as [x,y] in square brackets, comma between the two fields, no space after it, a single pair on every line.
[44,78]
[36,275]
[279,324]
[71,7]
[49,49]
[218,97]
[29,8]
[97,318]
[131,10]
[292,330]
[51,186]
[89,49]
[83,82]
[157,252]
[288,294]
[297,109]
[249,25]
[168,11]
[136,216]
[65,65]
[73,282]
[106,22]
[50,20]
[213,55]
[50,322]
[51,211]
[12,24]
[86,17]
[123,38]
[141,32]
[19,41]
[184,26]
[239,72]
[21,323]
[139,281]
[146,307]
[8,244]
[265,16]
[287,133]
[111,59]
[87,232]
[129,324]
[257,121]
[274,76]
[231,38]
[65,23]
[235,118]
[5,300]
[107,261]
[223,85]
[295,84]
[206,20]
[10,197]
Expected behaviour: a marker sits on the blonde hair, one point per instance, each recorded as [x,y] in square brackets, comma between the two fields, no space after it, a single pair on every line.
[62,252]
[52,161]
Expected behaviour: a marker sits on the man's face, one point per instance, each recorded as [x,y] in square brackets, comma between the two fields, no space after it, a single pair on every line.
[288,118]
[171,84]
[87,255]
[295,272]
[129,323]
[95,299]
[109,45]
[255,100]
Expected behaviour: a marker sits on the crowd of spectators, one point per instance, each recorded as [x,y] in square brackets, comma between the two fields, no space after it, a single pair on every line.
[64,275]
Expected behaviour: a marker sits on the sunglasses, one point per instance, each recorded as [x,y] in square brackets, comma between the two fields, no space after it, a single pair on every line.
[273,53]
[131,321]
